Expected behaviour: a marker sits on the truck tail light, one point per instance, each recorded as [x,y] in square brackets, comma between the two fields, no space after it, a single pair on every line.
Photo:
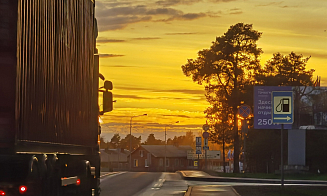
[22,189]
[78,182]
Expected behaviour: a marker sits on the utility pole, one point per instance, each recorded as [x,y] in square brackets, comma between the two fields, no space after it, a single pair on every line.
[130,141]
[166,144]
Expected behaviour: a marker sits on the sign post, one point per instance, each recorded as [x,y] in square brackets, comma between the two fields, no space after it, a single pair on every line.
[205,146]
[198,149]
[282,107]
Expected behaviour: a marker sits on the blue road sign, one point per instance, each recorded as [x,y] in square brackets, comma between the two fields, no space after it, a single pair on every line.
[282,107]
[262,107]
[198,141]
[198,150]
[244,111]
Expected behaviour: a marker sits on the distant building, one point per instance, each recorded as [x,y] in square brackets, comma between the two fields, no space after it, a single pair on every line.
[114,159]
[152,158]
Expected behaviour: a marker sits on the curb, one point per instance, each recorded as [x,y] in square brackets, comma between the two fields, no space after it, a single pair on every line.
[248,180]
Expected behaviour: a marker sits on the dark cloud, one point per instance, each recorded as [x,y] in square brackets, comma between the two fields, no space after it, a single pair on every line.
[276,3]
[220,1]
[118,16]
[189,16]
[167,3]
[180,116]
[119,22]
[118,66]
[180,33]
[146,38]
[130,97]
[183,91]
[235,11]
[110,55]
[109,40]
[164,11]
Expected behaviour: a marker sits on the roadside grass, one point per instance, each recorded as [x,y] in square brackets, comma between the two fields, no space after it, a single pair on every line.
[277,191]
[308,176]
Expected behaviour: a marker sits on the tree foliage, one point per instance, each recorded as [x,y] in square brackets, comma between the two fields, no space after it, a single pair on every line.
[286,70]
[226,68]
[187,139]
[125,143]
[151,140]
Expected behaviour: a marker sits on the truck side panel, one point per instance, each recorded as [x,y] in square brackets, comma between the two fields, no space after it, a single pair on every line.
[47,73]
[8,32]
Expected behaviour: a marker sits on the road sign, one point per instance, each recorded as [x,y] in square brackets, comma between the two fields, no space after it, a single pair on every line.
[262,107]
[205,135]
[205,142]
[205,147]
[244,111]
[205,127]
[198,150]
[211,154]
[282,107]
[198,141]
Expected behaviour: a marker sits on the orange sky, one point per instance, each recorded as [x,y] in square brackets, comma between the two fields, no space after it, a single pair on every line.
[144,43]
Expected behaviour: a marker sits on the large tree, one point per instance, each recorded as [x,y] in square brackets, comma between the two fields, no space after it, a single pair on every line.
[228,66]
[288,70]
[219,117]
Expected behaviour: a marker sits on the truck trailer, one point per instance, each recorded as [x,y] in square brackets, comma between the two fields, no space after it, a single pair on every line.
[49,85]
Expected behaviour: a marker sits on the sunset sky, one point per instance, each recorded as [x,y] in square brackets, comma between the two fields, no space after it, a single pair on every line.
[143,44]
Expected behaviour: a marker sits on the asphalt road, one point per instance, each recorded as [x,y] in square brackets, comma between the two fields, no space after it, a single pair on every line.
[127,184]
[143,184]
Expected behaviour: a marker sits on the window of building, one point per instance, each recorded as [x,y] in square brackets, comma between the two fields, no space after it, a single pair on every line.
[167,162]
[161,162]
[136,162]
[182,162]
[146,163]
[141,153]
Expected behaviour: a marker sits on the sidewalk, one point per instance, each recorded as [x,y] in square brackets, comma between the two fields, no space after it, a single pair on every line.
[202,176]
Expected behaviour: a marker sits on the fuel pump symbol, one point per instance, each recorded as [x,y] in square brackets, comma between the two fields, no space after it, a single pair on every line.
[283,106]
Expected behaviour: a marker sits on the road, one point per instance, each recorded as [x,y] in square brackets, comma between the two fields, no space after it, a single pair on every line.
[143,184]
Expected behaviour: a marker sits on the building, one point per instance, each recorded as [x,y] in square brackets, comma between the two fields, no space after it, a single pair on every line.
[152,158]
[114,159]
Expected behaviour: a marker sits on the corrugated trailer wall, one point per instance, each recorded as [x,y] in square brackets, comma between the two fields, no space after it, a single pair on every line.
[55,100]
[8,27]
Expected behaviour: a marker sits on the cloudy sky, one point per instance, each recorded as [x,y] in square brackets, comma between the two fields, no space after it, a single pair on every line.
[143,44]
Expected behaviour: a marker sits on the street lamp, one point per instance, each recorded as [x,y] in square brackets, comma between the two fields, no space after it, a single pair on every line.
[166,143]
[130,141]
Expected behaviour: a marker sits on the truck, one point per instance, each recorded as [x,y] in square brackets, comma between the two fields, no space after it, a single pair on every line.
[49,87]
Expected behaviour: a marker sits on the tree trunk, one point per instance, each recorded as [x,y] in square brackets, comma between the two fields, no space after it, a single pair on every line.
[236,143]
[224,152]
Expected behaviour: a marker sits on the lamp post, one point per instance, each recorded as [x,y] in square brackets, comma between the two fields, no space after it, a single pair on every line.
[166,144]
[130,141]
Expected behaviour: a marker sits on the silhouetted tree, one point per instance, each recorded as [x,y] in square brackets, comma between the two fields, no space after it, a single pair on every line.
[136,142]
[115,141]
[151,140]
[187,139]
[228,66]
